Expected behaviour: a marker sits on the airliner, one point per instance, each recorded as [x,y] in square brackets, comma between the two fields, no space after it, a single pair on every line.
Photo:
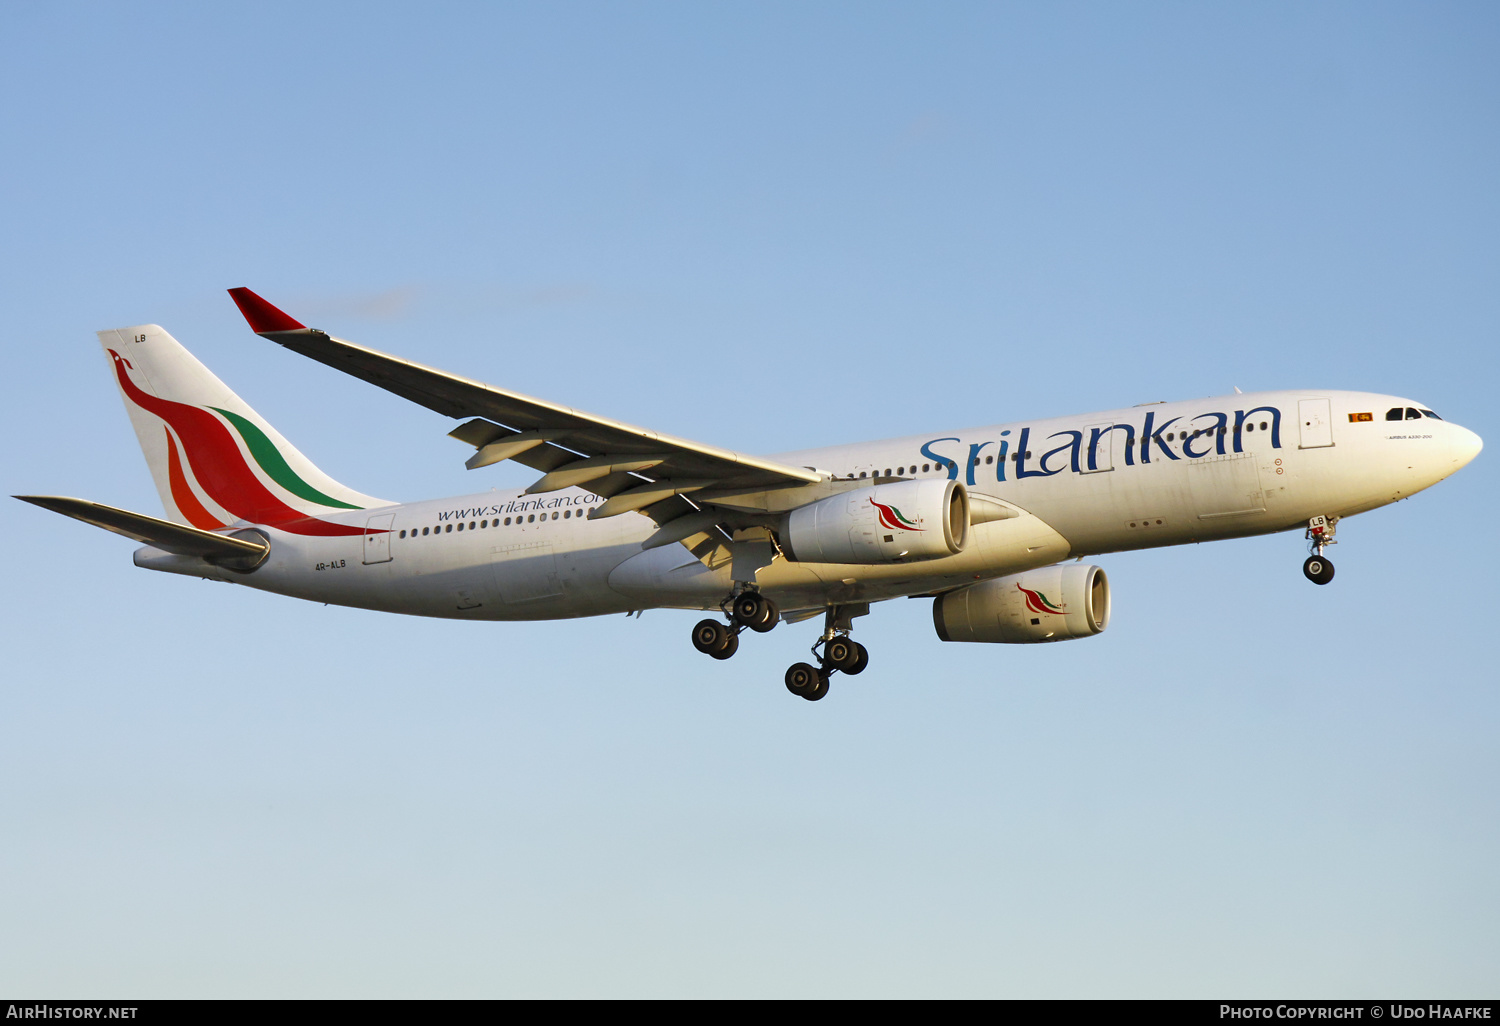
[991,523]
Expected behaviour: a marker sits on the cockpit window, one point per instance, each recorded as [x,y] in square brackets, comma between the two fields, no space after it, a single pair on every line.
[1394,413]
[1412,414]
[1429,413]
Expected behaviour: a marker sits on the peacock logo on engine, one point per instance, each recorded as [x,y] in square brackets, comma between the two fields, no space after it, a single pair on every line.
[893,519]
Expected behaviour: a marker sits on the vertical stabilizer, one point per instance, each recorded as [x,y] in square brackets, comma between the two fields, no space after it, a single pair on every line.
[215,461]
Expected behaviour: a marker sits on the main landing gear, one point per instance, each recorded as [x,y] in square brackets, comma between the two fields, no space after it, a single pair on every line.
[836,652]
[747,609]
[1320,532]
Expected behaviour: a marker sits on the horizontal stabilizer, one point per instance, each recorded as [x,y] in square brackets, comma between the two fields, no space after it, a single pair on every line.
[163,534]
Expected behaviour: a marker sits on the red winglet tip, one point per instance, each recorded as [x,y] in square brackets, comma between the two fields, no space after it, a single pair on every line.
[262,316]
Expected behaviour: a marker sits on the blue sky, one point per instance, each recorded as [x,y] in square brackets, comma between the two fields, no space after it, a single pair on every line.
[763,226]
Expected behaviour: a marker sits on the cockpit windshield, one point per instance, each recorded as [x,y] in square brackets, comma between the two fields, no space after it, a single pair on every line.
[1409,413]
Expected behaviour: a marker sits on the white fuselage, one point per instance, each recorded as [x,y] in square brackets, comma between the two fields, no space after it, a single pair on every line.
[1154,475]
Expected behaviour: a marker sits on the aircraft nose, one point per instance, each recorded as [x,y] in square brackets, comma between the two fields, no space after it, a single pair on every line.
[1464,446]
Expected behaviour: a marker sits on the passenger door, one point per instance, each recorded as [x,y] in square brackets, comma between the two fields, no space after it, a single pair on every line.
[378,538]
[1316,423]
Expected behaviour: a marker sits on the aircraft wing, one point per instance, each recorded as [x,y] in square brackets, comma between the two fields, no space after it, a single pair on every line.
[634,469]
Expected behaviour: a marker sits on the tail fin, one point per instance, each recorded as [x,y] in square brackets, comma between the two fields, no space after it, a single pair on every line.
[215,461]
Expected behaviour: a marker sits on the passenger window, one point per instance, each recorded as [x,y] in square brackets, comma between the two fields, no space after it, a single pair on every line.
[887,471]
[913,468]
[554,516]
[926,467]
[531,518]
[425,530]
[449,529]
[1394,413]
[1412,414]
[989,459]
[1262,425]
[403,534]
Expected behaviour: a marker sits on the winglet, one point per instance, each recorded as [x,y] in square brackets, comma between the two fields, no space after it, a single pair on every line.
[263,317]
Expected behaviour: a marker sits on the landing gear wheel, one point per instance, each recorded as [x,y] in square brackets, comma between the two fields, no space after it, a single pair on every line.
[817,693]
[755,611]
[712,638]
[771,619]
[1318,569]
[862,659]
[841,653]
[803,679]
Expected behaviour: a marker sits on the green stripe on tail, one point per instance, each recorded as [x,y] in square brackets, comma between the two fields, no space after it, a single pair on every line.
[274,464]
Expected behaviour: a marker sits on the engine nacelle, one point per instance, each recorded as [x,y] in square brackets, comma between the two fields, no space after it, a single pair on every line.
[1054,603]
[885,523]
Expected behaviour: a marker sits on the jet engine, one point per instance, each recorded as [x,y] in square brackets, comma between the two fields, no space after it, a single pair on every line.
[885,523]
[1053,603]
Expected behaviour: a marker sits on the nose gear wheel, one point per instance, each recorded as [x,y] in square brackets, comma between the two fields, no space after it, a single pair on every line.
[1320,531]
[1318,569]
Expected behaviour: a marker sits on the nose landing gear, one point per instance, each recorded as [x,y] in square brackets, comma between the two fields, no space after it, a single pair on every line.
[1320,532]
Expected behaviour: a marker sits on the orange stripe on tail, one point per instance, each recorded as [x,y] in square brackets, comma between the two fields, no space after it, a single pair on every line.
[182,493]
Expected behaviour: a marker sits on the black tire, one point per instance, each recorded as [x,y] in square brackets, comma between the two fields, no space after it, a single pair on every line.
[730,648]
[749,609]
[818,693]
[801,679]
[710,637]
[1318,570]
[771,618]
[841,653]
[861,661]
